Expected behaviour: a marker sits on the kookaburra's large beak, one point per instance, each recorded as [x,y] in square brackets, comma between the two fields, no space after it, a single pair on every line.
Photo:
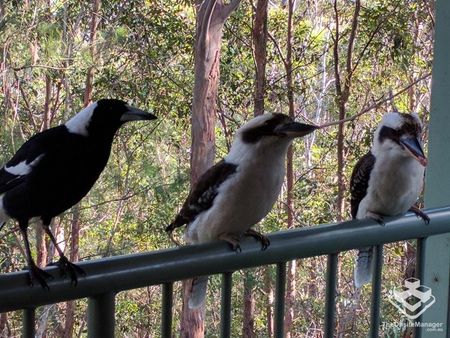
[136,114]
[295,129]
[413,147]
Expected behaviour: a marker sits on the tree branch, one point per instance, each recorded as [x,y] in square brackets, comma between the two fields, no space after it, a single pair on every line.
[351,41]
[336,53]
[228,9]
[384,99]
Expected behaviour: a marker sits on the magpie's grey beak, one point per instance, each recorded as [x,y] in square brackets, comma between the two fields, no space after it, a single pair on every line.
[136,114]
[413,147]
[295,129]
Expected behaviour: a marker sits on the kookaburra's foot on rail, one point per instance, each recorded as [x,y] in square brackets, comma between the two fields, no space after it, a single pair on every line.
[420,213]
[232,240]
[376,217]
[265,242]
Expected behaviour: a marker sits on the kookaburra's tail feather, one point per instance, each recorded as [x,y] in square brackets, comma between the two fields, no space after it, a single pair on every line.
[198,291]
[363,269]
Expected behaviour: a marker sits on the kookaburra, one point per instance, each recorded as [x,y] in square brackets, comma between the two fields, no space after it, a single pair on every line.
[388,179]
[240,190]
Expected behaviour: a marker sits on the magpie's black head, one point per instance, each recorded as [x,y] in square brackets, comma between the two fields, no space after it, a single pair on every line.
[400,133]
[105,117]
[273,127]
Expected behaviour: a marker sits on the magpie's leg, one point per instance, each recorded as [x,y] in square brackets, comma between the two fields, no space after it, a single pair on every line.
[420,213]
[232,240]
[34,273]
[64,264]
[265,242]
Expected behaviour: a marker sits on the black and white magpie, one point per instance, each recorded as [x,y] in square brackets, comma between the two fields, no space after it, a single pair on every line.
[241,189]
[56,168]
[388,179]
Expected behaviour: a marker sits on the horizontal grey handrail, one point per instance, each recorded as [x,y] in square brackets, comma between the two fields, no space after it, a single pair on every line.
[126,272]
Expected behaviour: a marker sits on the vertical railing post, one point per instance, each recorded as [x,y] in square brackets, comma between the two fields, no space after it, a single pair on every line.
[420,257]
[225,318]
[376,291]
[280,290]
[101,316]
[420,269]
[166,316]
[435,260]
[330,297]
[28,322]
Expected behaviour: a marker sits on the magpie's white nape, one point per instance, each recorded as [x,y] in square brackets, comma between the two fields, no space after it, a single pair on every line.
[240,190]
[56,168]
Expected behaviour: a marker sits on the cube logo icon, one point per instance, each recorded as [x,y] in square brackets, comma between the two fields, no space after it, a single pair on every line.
[413,300]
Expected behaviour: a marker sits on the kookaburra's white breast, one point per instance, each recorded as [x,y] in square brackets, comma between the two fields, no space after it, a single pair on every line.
[242,200]
[394,186]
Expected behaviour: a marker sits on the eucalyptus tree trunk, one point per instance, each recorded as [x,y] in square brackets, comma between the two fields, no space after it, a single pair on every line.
[343,81]
[259,34]
[95,21]
[4,325]
[75,222]
[74,256]
[268,286]
[343,85]
[211,16]
[291,268]
[41,245]
[248,321]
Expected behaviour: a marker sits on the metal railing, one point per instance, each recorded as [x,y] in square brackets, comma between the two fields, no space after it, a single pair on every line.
[105,277]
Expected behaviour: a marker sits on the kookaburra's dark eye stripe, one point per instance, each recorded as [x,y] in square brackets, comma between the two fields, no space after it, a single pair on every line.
[387,133]
[411,126]
[255,134]
[394,135]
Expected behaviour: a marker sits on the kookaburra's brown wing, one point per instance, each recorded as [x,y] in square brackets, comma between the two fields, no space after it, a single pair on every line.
[359,181]
[202,195]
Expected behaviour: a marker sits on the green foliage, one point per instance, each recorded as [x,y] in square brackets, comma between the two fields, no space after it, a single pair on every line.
[144,54]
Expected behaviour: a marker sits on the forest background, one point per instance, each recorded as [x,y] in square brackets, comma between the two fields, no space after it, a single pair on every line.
[317,60]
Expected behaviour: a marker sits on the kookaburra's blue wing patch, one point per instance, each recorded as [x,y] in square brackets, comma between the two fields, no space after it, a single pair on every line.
[359,181]
[202,196]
